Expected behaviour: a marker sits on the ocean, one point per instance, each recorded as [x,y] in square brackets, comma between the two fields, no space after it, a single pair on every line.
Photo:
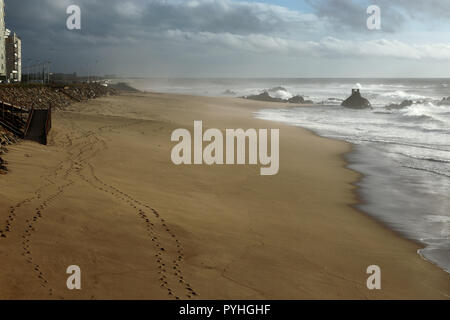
[403,152]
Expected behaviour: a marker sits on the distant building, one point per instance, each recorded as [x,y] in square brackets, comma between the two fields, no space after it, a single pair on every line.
[13,50]
[2,41]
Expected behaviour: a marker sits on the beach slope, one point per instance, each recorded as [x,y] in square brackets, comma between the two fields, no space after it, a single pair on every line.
[105,196]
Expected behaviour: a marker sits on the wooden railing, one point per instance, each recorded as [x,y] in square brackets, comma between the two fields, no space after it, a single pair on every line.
[23,123]
[13,118]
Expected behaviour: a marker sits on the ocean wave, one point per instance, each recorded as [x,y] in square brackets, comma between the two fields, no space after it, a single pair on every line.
[445,148]
[438,218]
[427,254]
[422,118]
[281,94]
[427,170]
[426,112]
[400,94]
[437,127]
[431,159]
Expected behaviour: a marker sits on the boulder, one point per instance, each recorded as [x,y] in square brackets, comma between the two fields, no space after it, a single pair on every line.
[296,99]
[356,101]
[300,100]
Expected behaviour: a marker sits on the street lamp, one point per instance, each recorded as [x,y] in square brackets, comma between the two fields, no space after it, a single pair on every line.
[36,76]
[28,69]
[48,71]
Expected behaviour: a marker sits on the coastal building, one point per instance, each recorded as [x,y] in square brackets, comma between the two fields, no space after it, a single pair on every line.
[2,42]
[13,50]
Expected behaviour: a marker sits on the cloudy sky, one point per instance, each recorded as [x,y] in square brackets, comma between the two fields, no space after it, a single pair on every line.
[233,38]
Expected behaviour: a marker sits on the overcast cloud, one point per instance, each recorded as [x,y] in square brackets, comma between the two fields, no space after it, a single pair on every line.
[227,38]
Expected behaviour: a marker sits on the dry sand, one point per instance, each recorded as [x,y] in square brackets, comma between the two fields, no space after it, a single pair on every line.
[105,196]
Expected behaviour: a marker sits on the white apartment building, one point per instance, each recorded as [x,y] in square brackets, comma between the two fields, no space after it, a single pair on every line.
[2,41]
[13,50]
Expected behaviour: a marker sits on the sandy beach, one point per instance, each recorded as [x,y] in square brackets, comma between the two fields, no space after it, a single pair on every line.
[104,195]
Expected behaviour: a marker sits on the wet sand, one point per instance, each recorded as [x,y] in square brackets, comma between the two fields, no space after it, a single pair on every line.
[104,195]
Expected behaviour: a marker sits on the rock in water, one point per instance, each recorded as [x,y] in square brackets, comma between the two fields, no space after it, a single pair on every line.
[265,96]
[356,101]
[296,99]
[299,100]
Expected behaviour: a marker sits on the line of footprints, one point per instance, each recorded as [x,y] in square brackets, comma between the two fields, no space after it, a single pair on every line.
[37,195]
[161,251]
[160,256]
[31,228]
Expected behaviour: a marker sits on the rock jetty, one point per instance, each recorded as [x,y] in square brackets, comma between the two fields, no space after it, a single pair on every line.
[356,101]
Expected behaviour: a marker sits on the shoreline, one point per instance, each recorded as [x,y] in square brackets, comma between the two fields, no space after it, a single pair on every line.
[362,200]
[359,198]
[290,236]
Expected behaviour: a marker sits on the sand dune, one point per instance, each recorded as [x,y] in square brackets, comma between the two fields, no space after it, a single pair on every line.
[105,196]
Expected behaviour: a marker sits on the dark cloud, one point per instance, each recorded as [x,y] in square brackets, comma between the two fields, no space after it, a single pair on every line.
[115,25]
[140,18]
[148,37]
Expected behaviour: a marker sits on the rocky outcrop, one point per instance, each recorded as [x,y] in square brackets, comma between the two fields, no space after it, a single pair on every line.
[296,99]
[356,101]
[265,96]
[299,100]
